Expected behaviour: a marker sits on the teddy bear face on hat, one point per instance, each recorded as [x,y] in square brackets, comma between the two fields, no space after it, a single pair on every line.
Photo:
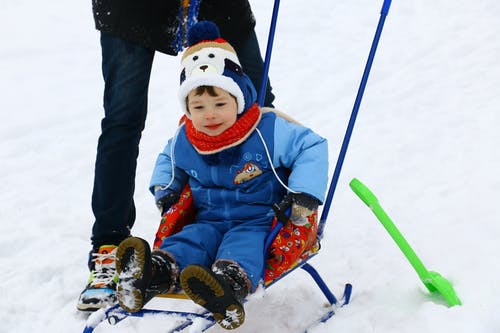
[213,62]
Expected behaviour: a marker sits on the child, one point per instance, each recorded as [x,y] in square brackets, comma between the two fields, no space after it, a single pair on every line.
[236,160]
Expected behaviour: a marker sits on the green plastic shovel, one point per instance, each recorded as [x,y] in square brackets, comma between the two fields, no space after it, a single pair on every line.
[434,282]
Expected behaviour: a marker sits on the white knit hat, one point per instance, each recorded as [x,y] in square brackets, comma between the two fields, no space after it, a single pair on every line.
[211,61]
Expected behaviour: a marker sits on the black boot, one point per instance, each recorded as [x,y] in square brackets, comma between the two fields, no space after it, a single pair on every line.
[221,291]
[232,274]
[142,274]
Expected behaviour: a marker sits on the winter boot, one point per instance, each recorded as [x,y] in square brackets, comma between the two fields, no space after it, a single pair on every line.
[220,291]
[142,274]
[100,290]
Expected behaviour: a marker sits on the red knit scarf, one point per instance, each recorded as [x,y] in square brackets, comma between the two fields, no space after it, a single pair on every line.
[244,126]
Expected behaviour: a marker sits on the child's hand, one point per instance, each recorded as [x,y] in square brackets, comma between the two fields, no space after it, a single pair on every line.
[301,204]
[165,198]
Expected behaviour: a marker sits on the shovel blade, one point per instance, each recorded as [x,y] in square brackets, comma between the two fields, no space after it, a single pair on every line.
[436,283]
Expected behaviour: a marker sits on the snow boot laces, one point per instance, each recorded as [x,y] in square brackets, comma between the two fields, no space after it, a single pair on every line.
[100,290]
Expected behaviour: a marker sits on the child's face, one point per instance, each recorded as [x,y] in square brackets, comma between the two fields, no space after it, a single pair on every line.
[212,115]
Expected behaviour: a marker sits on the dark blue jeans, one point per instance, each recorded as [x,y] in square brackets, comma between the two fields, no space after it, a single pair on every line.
[126,69]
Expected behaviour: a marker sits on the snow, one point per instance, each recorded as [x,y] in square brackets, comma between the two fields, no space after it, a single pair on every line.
[425,142]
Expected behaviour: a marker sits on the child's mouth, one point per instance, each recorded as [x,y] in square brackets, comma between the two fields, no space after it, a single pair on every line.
[213,127]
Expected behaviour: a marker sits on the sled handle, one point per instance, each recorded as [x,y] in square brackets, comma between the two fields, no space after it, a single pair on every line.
[269,49]
[352,120]
[385,7]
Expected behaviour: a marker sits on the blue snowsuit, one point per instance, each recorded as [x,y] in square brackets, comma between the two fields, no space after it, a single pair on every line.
[234,190]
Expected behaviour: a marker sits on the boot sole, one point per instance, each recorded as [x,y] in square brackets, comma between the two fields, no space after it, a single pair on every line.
[201,285]
[130,266]
[94,303]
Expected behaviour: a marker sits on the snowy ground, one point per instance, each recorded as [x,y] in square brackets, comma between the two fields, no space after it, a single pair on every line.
[425,143]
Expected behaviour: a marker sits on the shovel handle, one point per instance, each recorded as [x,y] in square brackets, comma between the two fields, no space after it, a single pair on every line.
[371,201]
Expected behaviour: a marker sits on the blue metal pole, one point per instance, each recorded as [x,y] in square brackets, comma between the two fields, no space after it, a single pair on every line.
[321,284]
[267,60]
[352,120]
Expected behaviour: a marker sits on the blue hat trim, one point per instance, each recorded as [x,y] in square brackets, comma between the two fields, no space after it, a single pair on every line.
[235,72]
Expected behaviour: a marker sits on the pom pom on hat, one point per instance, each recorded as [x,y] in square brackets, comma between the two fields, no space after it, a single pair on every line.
[203,30]
[211,61]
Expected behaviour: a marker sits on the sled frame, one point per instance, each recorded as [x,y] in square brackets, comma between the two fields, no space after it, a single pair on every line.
[116,314]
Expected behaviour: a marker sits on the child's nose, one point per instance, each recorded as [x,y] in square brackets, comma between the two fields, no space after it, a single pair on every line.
[210,114]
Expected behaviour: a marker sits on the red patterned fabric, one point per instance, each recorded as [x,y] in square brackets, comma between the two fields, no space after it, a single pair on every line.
[180,214]
[292,244]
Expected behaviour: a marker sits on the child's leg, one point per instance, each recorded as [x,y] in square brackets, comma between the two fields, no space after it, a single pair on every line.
[222,289]
[244,244]
[196,243]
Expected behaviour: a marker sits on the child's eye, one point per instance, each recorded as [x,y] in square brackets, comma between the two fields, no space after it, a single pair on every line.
[220,104]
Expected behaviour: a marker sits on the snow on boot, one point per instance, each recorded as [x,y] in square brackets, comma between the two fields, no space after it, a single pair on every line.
[100,290]
[233,275]
[218,292]
[142,274]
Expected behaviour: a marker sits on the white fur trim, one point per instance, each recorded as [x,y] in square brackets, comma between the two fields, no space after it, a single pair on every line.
[215,80]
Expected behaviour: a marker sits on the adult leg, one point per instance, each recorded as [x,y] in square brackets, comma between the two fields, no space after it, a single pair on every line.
[126,70]
[251,60]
